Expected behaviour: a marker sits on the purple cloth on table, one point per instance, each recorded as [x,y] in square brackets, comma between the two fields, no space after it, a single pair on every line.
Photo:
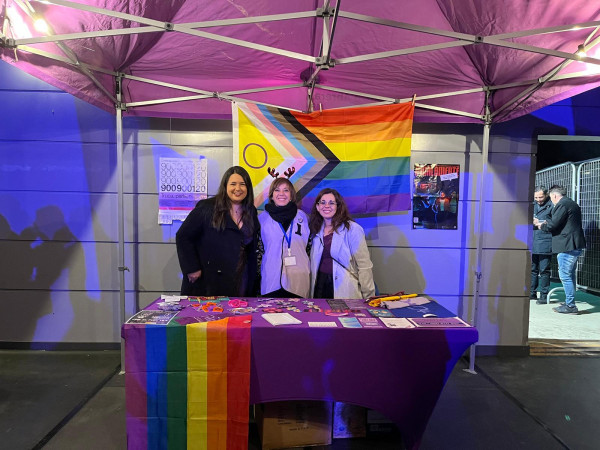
[398,372]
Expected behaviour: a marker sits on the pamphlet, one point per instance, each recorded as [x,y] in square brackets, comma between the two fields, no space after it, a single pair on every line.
[439,322]
[350,322]
[152,317]
[322,324]
[370,322]
[380,313]
[281,319]
[396,322]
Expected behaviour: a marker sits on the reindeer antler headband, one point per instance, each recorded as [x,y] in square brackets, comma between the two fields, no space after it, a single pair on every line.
[288,173]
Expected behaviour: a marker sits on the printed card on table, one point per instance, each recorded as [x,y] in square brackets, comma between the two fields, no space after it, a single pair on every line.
[350,322]
[152,317]
[370,322]
[439,322]
[396,322]
[381,313]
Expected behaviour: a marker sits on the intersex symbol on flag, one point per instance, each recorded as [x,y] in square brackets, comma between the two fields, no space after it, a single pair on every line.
[364,153]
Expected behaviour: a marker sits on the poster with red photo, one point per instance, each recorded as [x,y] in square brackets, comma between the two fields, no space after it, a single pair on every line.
[435,196]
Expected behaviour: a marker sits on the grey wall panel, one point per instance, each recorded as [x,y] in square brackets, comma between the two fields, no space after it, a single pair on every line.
[506,225]
[83,216]
[57,166]
[142,162]
[60,316]
[424,270]
[444,271]
[509,177]
[158,268]
[501,320]
[58,117]
[68,265]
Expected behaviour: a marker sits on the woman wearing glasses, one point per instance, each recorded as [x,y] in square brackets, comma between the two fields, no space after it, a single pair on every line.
[340,264]
[285,267]
[216,243]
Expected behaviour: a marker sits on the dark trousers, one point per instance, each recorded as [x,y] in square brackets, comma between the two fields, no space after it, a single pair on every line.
[540,275]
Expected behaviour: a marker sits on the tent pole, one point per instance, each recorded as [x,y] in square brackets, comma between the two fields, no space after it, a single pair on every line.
[478,264]
[121,212]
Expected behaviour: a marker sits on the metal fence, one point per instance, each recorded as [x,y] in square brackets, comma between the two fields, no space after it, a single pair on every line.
[582,181]
[588,198]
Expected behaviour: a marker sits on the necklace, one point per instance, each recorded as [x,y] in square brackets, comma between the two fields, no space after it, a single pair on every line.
[236,215]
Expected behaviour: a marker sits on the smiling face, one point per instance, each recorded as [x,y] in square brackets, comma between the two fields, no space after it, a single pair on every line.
[540,197]
[282,195]
[327,206]
[236,188]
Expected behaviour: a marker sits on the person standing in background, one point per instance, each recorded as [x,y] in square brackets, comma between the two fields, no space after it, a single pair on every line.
[217,242]
[564,223]
[541,250]
[285,267]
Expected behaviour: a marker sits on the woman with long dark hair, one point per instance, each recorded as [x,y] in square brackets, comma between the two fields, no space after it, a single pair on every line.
[285,267]
[216,243]
[340,264]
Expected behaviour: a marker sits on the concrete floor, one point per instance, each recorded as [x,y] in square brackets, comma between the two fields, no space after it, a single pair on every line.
[74,400]
[544,323]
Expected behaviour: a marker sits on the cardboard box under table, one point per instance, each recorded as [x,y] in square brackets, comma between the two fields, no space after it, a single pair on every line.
[398,372]
[293,424]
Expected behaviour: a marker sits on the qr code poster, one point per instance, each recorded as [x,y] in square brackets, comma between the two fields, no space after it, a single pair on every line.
[182,182]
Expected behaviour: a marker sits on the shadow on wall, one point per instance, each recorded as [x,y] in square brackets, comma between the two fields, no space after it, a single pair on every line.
[47,264]
[401,267]
[506,289]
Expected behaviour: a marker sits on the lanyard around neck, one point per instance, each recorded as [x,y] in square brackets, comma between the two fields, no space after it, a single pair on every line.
[288,239]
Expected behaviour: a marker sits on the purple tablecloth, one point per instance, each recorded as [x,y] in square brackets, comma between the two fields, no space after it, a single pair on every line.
[398,372]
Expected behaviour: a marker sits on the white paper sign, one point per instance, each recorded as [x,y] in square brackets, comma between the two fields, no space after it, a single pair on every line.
[182,183]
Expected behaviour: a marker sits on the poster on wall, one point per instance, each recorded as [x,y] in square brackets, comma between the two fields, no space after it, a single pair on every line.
[182,183]
[435,196]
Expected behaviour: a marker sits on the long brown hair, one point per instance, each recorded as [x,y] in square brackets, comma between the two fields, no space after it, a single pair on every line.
[341,216]
[223,203]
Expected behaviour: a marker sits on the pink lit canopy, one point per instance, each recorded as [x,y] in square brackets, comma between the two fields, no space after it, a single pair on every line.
[190,58]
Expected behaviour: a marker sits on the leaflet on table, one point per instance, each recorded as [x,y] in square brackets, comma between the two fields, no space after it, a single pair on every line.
[281,319]
[350,322]
[439,322]
[370,322]
[396,322]
[322,324]
[152,317]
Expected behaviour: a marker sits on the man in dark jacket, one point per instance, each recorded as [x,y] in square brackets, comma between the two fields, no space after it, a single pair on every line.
[541,251]
[568,241]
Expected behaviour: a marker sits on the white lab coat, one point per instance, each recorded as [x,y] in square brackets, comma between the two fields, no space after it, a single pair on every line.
[349,248]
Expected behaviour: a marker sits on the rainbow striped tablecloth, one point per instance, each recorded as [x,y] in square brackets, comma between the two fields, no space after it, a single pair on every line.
[187,386]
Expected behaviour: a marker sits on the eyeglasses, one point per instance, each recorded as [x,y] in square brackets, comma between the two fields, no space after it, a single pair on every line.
[324,203]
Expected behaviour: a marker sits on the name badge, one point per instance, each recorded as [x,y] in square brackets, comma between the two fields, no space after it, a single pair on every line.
[289,261]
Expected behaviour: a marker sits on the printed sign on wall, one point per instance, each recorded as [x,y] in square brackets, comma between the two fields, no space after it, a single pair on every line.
[182,183]
[435,196]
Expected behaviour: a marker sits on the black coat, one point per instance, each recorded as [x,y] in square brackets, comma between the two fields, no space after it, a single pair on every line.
[216,253]
[565,225]
[542,240]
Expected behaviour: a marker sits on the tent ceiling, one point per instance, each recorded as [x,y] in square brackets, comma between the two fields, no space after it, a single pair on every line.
[189,58]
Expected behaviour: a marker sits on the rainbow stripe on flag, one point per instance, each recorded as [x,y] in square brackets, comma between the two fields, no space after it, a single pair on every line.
[364,153]
[188,386]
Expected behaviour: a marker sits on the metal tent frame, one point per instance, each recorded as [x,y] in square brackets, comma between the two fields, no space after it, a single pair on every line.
[328,15]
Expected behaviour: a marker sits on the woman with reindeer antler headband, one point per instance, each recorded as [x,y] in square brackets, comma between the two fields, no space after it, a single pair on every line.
[285,268]
[217,242]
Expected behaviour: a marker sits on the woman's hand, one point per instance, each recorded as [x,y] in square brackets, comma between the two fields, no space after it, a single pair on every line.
[192,277]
